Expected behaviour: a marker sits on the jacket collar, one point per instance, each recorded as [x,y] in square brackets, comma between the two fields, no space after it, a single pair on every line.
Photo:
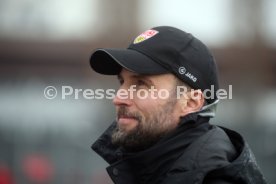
[155,160]
[111,153]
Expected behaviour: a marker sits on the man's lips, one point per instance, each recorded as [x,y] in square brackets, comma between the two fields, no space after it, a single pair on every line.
[127,119]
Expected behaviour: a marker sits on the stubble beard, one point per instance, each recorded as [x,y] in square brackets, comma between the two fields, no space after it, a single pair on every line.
[148,131]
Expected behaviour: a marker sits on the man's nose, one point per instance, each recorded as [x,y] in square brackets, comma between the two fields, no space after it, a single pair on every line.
[122,97]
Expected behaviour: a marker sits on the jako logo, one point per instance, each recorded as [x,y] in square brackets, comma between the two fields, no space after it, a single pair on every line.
[182,70]
[190,76]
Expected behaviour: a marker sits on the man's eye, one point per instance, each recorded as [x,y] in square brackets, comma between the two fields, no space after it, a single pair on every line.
[141,83]
[121,81]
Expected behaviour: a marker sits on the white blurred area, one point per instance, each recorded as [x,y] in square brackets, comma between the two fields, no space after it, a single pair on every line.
[208,20]
[217,22]
[49,42]
[50,19]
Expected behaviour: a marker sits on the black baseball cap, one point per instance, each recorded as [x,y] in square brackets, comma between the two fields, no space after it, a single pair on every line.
[162,50]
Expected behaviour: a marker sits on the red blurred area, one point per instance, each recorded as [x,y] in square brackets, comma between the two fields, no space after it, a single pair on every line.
[5,175]
[38,168]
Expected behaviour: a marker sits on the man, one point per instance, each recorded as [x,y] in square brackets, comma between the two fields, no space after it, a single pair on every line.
[157,140]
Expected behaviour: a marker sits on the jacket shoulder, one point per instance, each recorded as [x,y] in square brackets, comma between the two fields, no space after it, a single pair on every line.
[212,150]
[220,156]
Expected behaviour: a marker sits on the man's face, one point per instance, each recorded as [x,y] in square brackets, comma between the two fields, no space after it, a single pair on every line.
[143,117]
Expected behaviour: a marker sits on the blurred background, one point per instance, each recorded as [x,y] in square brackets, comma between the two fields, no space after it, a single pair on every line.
[48,43]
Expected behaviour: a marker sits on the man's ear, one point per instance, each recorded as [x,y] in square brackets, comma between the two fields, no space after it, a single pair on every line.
[191,102]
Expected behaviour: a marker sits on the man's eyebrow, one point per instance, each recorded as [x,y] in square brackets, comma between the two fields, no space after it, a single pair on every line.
[137,76]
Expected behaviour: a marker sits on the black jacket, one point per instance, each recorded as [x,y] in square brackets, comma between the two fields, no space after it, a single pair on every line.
[196,152]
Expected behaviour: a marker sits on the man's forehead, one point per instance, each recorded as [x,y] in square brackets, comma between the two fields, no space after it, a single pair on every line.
[125,74]
[128,74]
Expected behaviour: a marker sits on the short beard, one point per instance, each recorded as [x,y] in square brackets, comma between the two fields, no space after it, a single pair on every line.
[148,131]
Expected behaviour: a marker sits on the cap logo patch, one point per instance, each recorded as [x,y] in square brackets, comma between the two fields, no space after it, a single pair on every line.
[182,71]
[145,35]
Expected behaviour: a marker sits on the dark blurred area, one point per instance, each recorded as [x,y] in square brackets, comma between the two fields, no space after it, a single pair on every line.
[49,44]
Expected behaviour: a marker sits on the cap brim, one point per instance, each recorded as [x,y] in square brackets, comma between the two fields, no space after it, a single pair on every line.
[111,62]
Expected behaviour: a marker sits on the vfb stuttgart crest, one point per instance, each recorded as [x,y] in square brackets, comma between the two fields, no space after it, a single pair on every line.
[145,35]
